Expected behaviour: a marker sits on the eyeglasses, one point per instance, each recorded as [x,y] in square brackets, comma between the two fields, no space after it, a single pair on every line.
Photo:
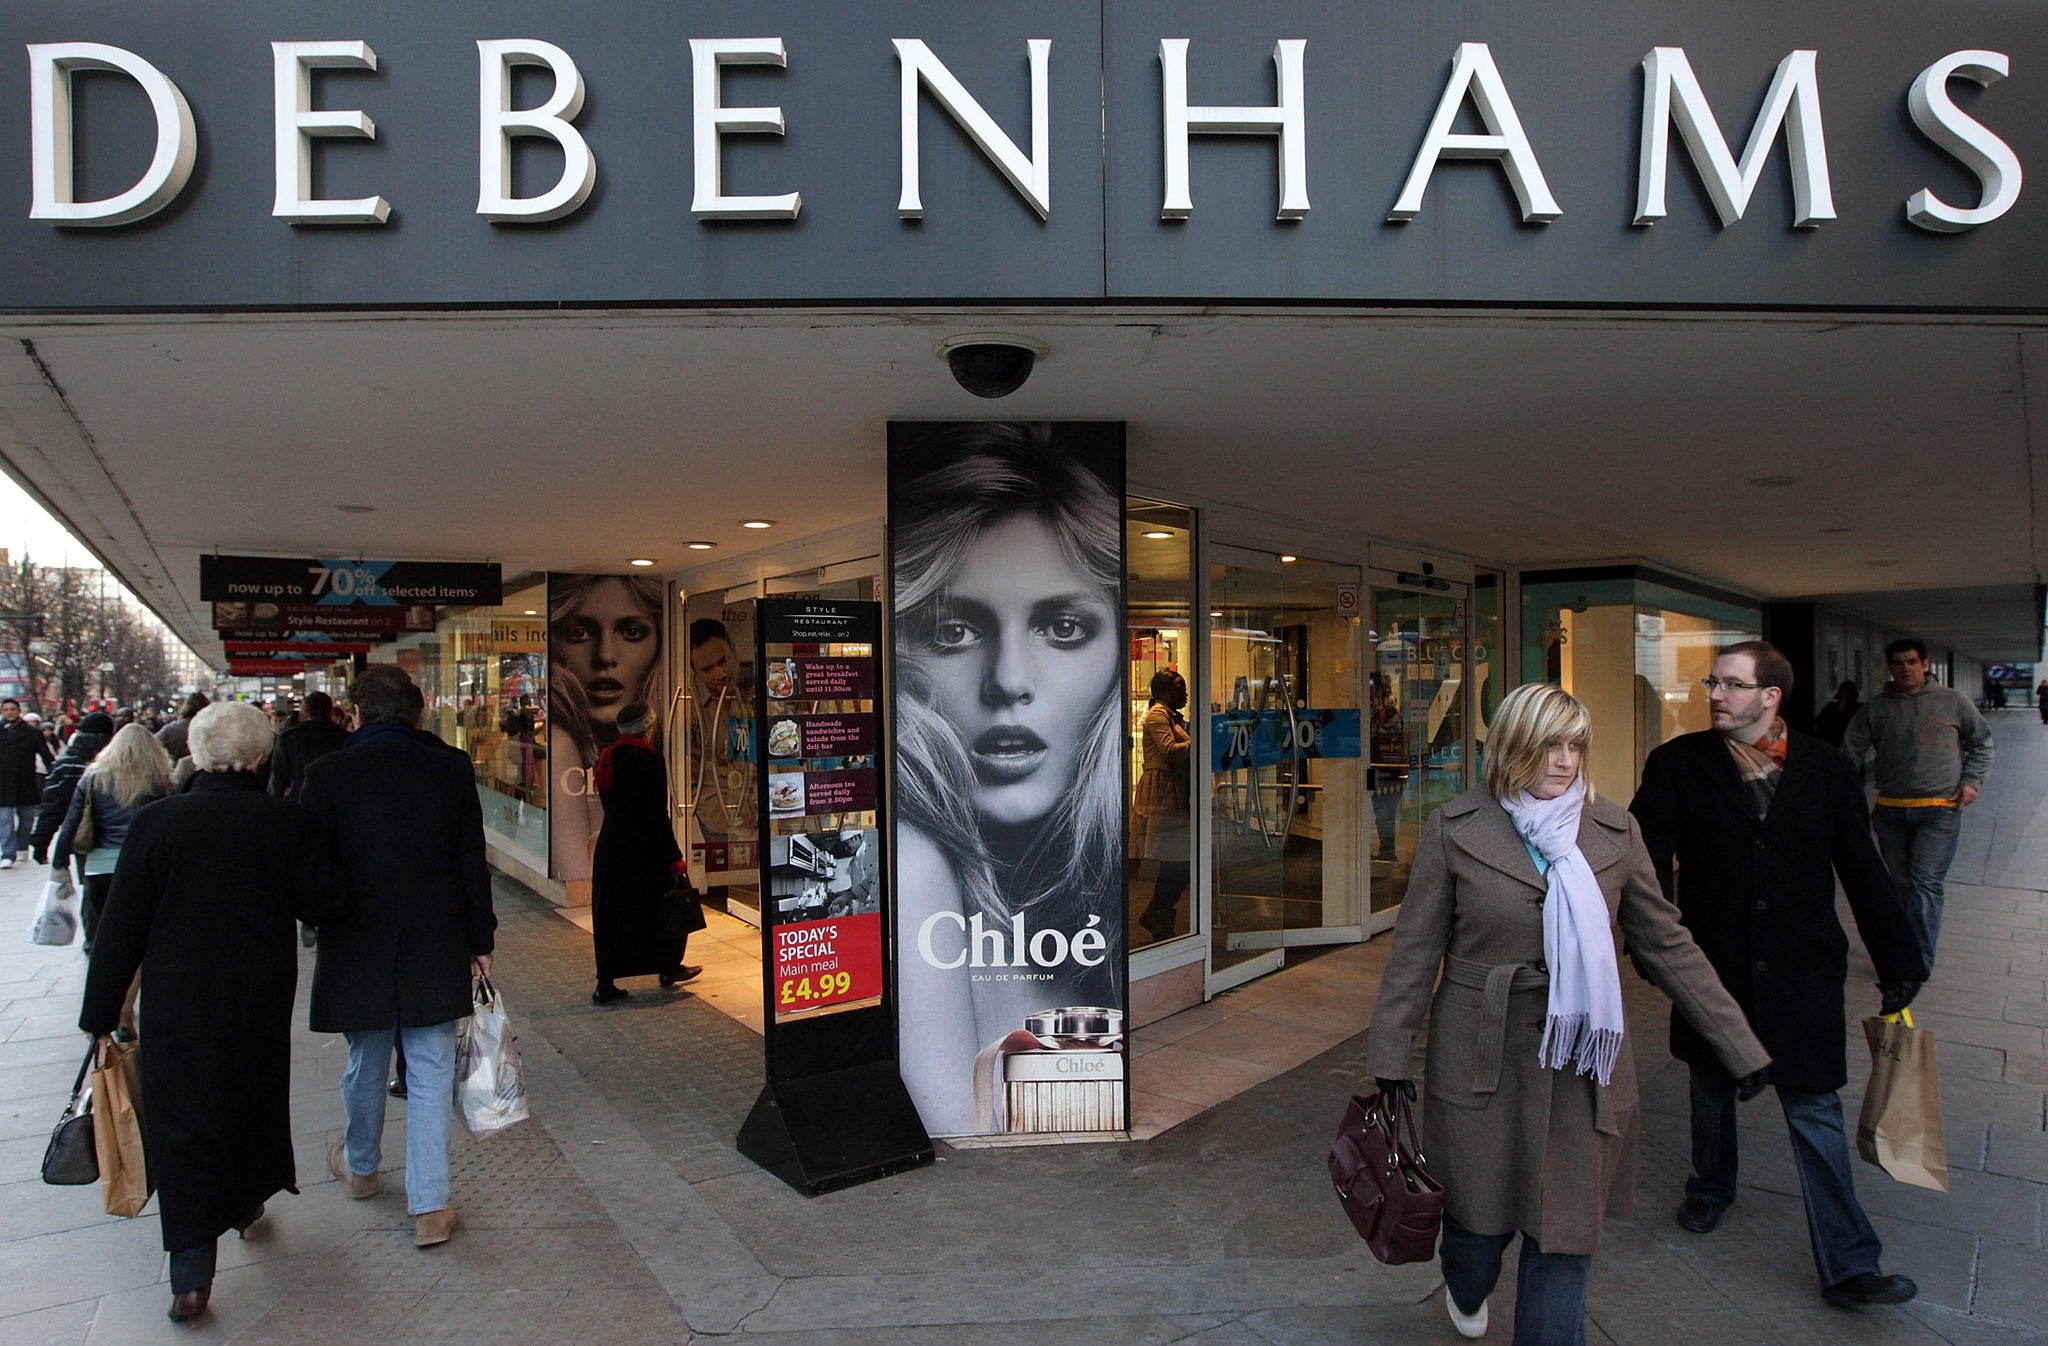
[1730,684]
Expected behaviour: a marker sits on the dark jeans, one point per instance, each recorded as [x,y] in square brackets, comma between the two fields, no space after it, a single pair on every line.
[1844,1244]
[192,1268]
[1550,1288]
[1918,846]
[92,903]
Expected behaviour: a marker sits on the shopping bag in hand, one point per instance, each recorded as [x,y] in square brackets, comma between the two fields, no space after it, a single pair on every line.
[1900,1128]
[125,1179]
[488,1090]
[56,920]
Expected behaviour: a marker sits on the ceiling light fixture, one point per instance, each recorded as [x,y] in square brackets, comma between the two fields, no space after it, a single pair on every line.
[357,509]
[1881,565]
[1842,529]
[640,561]
[700,546]
[1773,483]
[532,612]
[757,523]
[1288,558]
[1158,534]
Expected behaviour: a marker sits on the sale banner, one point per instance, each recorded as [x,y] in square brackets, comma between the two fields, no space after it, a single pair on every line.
[827,965]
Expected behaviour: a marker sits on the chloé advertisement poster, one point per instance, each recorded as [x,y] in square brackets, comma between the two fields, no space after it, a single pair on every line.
[1006,565]
[604,654]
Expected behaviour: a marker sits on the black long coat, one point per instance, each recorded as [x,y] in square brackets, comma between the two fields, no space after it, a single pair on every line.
[298,747]
[205,902]
[636,850]
[1759,895]
[21,743]
[403,816]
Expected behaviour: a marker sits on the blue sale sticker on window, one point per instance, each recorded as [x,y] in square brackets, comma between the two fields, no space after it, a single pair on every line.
[1256,738]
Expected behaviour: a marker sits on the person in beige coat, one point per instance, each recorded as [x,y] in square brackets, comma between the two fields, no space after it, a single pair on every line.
[1530,1106]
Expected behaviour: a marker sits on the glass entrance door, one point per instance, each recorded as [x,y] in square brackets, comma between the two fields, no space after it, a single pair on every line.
[1416,708]
[1287,798]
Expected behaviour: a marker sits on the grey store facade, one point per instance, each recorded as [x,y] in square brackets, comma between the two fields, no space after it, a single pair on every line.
[1450,347]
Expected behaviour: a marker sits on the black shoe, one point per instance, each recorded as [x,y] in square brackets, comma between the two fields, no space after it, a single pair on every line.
[307,935]
[607,992]
[679,976]
[189,1304]
[1699,1216]
[396,1088]
[1872,1287]
[242,1225]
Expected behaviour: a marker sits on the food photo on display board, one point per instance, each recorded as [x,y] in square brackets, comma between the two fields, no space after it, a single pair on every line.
[1009,757]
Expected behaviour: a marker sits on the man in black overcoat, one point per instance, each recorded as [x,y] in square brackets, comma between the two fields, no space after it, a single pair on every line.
[407,827]
[302,744]
[21,746]
[1761,821]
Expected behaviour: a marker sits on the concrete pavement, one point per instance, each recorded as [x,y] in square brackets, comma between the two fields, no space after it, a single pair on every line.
[621,1213]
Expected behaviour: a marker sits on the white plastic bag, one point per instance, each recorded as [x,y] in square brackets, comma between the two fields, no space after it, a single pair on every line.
[488,1090]
[56,920]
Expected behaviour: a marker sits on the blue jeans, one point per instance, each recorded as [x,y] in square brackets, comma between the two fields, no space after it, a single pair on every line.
[1918,846]
[16,822]
[1844,1244]
[1550,1288]
[429,1107]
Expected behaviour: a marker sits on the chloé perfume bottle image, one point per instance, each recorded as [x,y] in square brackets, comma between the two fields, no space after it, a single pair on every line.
[1063,1071]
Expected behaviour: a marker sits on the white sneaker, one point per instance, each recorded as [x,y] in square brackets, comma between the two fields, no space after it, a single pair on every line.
[1471,1326]
[7,863]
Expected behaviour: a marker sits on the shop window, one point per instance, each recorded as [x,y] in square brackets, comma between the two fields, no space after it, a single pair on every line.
[1160,601]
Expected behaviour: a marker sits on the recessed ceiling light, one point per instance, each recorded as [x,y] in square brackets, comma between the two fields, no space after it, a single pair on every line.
[700,546]
[531,612]
[1773,483]
[640,561]
[757,523]
[1215,614]
[1159,534]
[357,509]
[1288,558]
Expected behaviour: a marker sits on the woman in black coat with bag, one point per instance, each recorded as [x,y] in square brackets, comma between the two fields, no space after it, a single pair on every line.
[206,899]
[637,860]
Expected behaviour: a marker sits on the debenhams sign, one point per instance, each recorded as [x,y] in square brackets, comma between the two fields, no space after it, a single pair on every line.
[1385,151]
[1672,98]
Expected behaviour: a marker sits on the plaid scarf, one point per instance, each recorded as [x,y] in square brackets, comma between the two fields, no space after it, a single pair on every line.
[1759,764]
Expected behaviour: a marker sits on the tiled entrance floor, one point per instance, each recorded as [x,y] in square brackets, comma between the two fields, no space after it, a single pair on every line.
[1181,1065]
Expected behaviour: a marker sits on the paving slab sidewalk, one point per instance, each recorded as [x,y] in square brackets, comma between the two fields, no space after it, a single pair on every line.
[621,1213]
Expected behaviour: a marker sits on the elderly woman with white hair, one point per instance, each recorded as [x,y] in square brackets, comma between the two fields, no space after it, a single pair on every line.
[205,901]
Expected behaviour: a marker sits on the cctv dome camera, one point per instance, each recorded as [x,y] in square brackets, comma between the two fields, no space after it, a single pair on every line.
[991,365]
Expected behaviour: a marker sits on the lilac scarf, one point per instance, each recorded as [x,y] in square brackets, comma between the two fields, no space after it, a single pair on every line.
[1585,1023]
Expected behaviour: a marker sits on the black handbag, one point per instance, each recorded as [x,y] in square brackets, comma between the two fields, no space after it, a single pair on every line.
[72,1160]
[679,912]
[1377,1167]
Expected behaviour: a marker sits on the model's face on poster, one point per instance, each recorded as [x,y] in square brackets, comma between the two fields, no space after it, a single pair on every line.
[712,662]
[1025,647]
[610,643]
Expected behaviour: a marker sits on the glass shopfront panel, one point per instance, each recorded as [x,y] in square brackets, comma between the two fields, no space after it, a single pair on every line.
[1160,601]
[1421,662]
[1287,811]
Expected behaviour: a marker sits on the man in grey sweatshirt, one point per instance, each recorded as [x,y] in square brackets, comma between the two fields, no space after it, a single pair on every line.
[1933,750]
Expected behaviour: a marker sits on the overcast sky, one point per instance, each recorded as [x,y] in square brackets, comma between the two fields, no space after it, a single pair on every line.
[27,527]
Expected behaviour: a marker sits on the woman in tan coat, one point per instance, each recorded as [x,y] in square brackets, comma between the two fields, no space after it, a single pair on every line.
[1160,802]
[1530,1119]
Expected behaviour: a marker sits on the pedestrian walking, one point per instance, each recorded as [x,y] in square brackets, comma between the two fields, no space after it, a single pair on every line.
[636,860]
[132,770]
[173,735]
[407,829]
[203,904]
[61,782]
[1832,721]
[1506,940]
[1933,751]
[22,749]
[1761,821]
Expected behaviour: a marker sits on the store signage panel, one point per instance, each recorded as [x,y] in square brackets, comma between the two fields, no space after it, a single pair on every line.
[1499,153]
[332,582]
[266,620]
[823,871]
[1010,790]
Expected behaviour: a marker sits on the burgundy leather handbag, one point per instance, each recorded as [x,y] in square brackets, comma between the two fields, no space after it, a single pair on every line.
[1377,1167]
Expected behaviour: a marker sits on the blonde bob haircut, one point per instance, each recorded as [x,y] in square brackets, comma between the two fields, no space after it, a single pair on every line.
[1529,720]
[230,736]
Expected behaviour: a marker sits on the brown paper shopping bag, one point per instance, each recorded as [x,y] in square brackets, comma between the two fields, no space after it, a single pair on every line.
[117,1128]
[1900,1130]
